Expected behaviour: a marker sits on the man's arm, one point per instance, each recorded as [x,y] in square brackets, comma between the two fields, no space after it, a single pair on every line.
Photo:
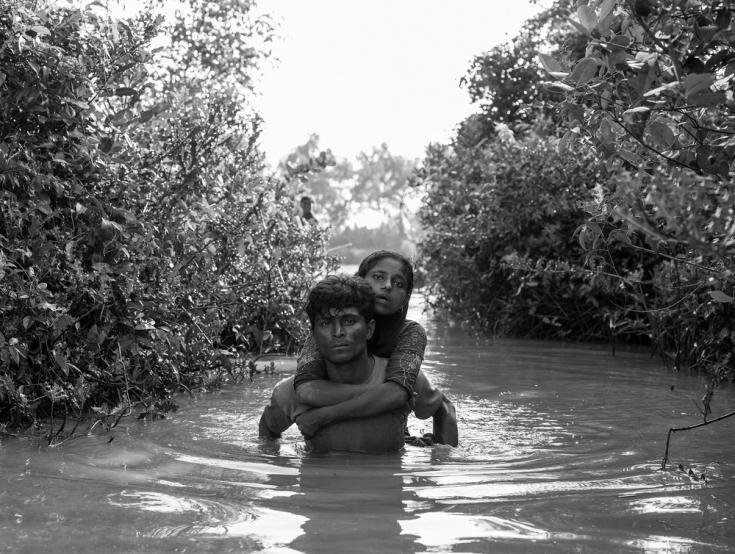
[274,419]
[272,423]
[374,400]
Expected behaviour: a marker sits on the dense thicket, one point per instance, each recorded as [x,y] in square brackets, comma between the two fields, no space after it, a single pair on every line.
[654,96]
[502,250]
[139,240]
[639,100]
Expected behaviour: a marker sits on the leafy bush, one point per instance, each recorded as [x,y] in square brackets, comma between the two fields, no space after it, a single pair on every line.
[643,89]
[139,241]
[654,96]
[501,249]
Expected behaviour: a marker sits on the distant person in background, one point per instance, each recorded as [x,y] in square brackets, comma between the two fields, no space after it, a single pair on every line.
[402,341]
[306,215]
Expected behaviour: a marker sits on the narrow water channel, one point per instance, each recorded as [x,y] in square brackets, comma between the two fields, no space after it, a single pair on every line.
[560,452]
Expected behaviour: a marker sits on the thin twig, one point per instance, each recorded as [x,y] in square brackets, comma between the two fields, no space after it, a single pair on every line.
[676,429]
[209,340]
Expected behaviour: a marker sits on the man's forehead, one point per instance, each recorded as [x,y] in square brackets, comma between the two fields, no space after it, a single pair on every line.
[331,313]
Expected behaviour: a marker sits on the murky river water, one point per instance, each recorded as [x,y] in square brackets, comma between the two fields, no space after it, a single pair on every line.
[560,452]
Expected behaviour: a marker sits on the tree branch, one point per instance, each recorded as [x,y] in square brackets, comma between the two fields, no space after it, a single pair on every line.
[677,429]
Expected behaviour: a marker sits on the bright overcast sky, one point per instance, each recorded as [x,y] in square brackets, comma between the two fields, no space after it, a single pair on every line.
[362,72]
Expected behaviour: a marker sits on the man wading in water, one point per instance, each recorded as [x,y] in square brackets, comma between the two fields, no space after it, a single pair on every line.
[340,310]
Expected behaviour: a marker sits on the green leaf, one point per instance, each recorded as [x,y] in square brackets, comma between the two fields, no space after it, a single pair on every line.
[719,296]
[60,360]
[559,74]
[606,8]
[106,144]
[125,91]
[62,324]
[697,82]
[662,134]
[630,157]
[606,17]
[668,87]
[618,235]
[40,30]
[587,17]
[107,224]
[550,64]
[589,235]
[707,98]
[566,140]
[77,103]
[557,87]
[606,132]
[605,98]
[14,355]
[647,58]
[714,160]
[93,335]
[620,41]
[2,78]
[146,115]
[617,58]
[636,114]
[581,28]
[585,70]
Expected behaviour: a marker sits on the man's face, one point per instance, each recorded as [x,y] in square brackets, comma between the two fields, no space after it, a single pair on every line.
[341,335]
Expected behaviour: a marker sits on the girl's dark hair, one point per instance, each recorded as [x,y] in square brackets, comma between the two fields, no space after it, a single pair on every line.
[340,291]
[372,259]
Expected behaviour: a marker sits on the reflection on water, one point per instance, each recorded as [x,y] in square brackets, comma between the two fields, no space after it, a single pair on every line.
[447,530]
[560,451]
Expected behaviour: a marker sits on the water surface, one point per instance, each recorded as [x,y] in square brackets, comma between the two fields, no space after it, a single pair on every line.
[560,452]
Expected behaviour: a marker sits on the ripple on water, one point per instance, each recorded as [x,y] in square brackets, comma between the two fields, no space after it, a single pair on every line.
[666,505]
[673,545]
[209,517]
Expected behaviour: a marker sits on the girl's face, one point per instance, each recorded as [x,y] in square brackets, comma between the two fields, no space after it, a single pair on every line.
[389,285]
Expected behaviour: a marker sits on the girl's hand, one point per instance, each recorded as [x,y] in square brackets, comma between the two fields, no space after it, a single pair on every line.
[311,421]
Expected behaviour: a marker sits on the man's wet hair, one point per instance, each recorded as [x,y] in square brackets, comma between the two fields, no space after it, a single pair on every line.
[340,292]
